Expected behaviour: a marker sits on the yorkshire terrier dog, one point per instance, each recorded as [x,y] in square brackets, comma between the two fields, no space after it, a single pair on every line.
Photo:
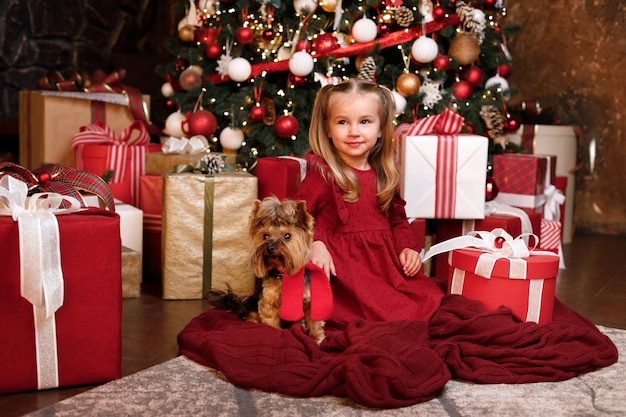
[291,289]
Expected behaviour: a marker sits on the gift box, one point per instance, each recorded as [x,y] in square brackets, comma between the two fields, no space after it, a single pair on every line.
[525,285]
[83,346]
[449,228]
[48,121]
[280,176]
[151,202]
[159,163]
[100,150]
[522,179]
[205,233]
[131,273]
[562,141]
[443,175]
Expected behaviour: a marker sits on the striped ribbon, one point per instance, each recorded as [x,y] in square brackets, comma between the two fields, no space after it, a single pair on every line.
[61,179]
[446,125]
[121,149]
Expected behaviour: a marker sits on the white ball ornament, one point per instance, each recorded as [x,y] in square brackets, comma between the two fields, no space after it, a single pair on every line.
[174,125]
[305,6]
[424,50]
[239,69]
[399,102]
[301,64]
[364,30]
[497,80]
[231,138]
[167,90]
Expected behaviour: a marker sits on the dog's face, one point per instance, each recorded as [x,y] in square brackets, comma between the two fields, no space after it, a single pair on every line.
[281,234]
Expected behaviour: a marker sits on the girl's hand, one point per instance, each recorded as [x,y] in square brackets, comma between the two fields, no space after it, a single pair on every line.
[320,256]
[410,261]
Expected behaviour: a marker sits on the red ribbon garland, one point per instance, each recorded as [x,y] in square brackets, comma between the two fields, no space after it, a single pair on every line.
[100,82]
[386,41]
[60,179]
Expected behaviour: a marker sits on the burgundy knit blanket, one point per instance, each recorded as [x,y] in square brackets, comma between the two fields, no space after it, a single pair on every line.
[397,364]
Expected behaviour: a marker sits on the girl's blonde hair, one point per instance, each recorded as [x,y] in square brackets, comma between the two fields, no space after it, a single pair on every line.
[382,157]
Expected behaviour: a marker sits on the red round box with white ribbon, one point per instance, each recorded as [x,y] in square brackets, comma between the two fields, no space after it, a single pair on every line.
[525,285]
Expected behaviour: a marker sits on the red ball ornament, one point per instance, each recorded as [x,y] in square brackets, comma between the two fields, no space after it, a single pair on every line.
[499,242]
[491,189]
[473,75]
[439,13]
[462,90]
[324,43]
[257,113]
[244,35]
[200,122]
[297,80]
[286,126]
[268,34]
[512,124]
[213,50]
[504,70]
[303,45]
[44,177]
[383,29]
[441,62]
[489,4]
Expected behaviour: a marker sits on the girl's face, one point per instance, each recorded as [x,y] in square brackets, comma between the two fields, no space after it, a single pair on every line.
[353,126]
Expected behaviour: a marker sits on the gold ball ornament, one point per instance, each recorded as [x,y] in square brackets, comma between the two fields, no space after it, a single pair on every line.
[464,49]
[408,84]
[328,5]
[186,33]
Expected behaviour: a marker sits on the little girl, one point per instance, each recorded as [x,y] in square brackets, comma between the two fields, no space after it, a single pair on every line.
[362,238]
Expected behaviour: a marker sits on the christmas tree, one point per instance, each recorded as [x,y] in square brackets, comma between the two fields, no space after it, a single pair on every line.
[246,72]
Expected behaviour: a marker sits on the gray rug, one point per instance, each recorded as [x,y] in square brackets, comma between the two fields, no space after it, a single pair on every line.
[180,387]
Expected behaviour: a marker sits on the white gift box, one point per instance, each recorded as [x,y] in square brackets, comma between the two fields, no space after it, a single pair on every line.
[444,176]
[561,141]
[131,222]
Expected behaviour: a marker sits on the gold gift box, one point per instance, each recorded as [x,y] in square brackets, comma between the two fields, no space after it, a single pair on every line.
[48,121]
[159,163]
[205,233]
[131,273]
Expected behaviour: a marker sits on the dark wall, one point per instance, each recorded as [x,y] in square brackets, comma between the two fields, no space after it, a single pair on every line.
[570,56]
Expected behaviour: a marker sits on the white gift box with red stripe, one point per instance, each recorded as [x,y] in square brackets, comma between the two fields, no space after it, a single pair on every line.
[443,174]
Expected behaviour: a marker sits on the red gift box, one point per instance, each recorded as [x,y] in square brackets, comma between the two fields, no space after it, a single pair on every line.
[522,178]
[525,285]
[99,150]
[448,229]
[151,202]
[88,323]
[279,176]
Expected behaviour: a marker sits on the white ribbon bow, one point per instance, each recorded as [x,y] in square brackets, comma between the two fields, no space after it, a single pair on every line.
[41,276]
[194,145]
[554,199]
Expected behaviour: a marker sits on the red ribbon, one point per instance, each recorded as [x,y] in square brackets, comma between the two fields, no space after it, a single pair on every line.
[391,39]
[60,179]
[100,82]
[446,126]
[291,307]
[120,149]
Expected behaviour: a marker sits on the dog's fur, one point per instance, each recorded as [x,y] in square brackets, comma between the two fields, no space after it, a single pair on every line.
[281,234]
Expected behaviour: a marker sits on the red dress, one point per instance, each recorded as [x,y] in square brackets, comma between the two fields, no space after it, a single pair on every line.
[365,245]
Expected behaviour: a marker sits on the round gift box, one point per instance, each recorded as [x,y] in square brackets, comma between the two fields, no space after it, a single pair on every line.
[530,298]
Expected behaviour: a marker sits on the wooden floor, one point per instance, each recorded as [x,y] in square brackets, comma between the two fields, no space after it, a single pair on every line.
[593,284]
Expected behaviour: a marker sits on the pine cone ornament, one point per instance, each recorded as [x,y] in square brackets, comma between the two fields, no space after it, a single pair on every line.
[494,120]
[213,164]
[368,69]
[404,16]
